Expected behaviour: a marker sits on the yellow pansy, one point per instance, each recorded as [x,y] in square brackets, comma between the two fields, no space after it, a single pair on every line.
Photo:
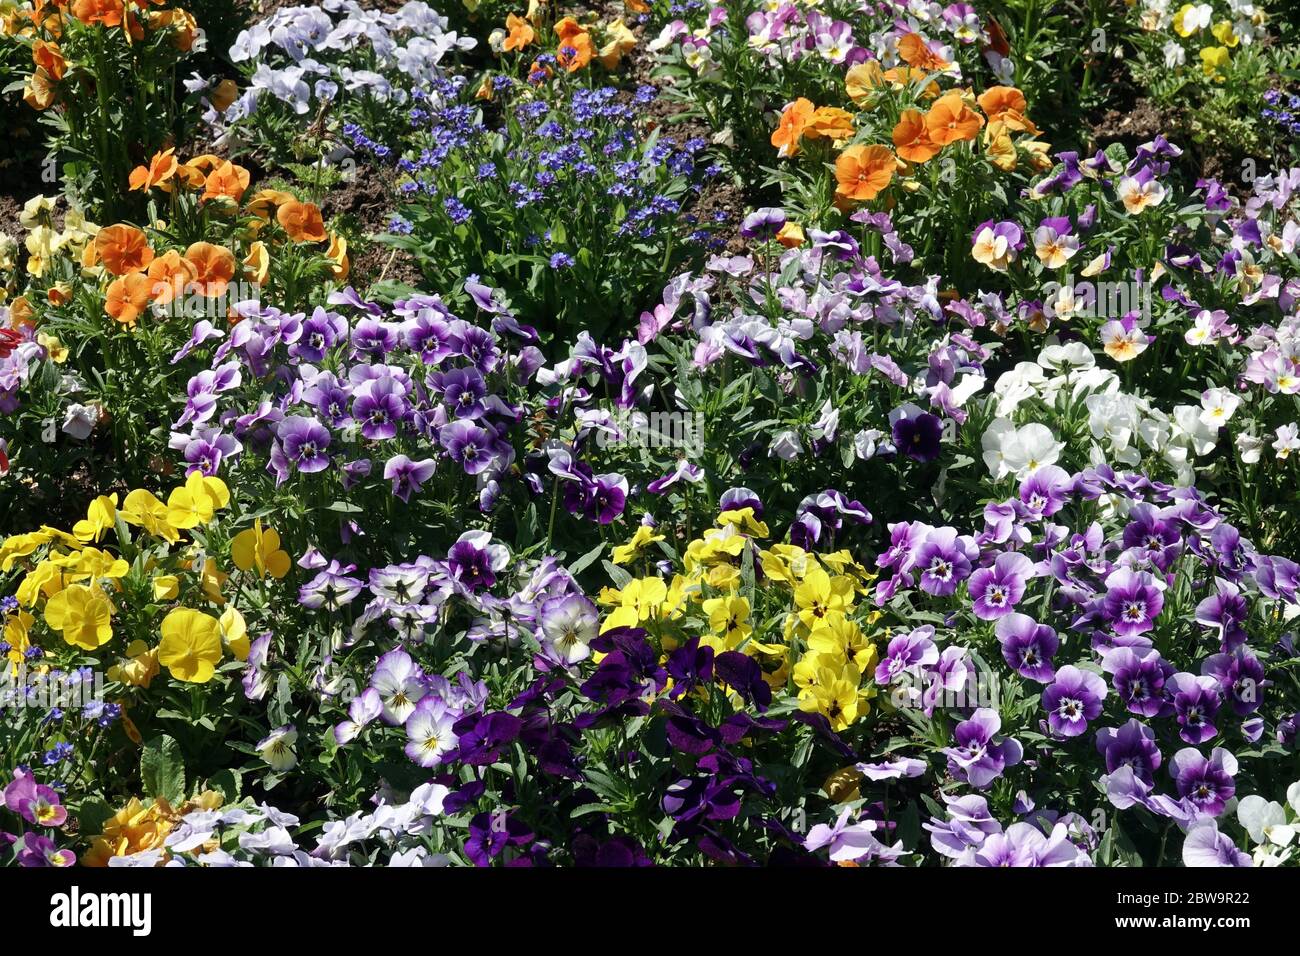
[640,600]
[1224,34]
[729,619]
[166,587]
[191,645]
[46,579]
[83,614]
[841,635]
[785,562]
[819,594]
[94,564]
[143,509]
[138,668]
[745,520]
[20,546]
[17,631]
[724,577]
[234,633]
[133,829]
[835,695]
[258,549]
[718,544]
[100,516]
[56,350]
[1213,60]
[642,539]
[211,579]
[195,502]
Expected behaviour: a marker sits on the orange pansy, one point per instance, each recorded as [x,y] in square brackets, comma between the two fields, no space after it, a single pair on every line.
[257,263]
[912,139]
[227,181]
[161,168]
[128,297]
[950,120]
[38,91]
[862,81]
[915,52]
[1006,104]
[830,122]
[105,12]
[794,120]
[123,249]
[521,34]
[49,57]
[861,172]
[302,221]
[265,199]
[214,267]
[575,51]
[169,275]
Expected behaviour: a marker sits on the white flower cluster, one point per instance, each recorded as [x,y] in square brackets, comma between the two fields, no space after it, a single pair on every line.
[301,53]
[1124,428]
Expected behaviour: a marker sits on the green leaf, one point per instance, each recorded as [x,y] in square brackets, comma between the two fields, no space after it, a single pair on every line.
[162,769]
[90,818]
[577,567]
[227,783]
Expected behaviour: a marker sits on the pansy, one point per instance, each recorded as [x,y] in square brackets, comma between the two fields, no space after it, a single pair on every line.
[1027,646]
[1206,782]
[979,756]
[995,591]
[1072,699]
[276,748]
[429,732]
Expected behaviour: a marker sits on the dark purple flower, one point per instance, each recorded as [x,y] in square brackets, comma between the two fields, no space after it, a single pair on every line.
[463,390]
[606,497]
[1196,701]
[474,560]
[319,334]
[1139,677]
[379,406]
[373,338]
[1044,492]
[1240,676]
[734,499]
[491,833]
[1133,745]
[917,434]
[763,223]
[1207,784]
[1226,611]
[469,446]
[944,560]
[303,442]
[907,653]
[1132,601]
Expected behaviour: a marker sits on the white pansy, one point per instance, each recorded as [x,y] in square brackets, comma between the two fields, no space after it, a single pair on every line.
[1218,406]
